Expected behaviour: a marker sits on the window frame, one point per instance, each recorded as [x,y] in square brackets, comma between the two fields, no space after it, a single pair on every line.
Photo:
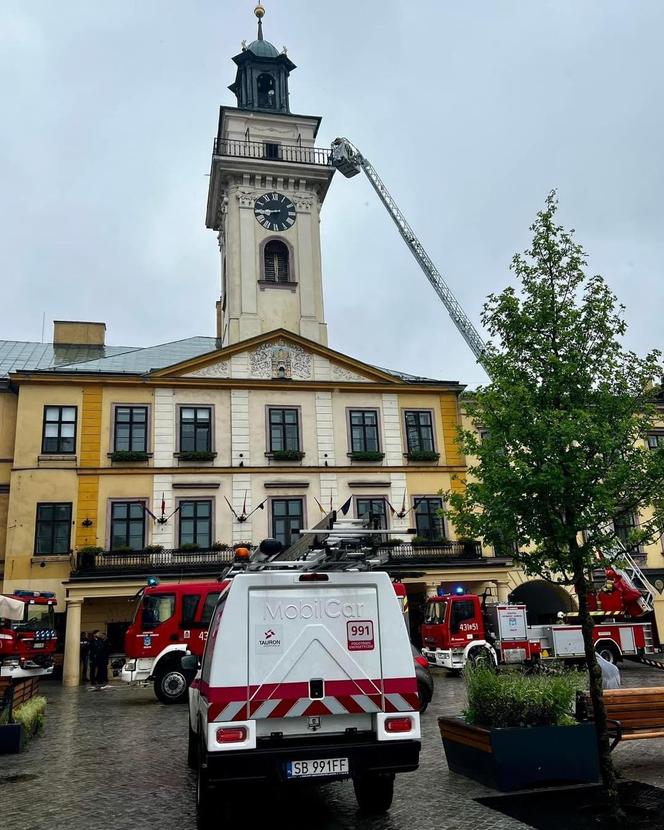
[416,503]
[349,427]
[59,422]
[271,517]
[148,425]
[178,531]
[54,522]
[269,408]
[358,515]
[658,435]
[291,283]
[404,415]
[178,431]
[109,520]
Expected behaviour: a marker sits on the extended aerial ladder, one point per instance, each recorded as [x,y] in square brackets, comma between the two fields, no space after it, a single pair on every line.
[346,158]
[349,161]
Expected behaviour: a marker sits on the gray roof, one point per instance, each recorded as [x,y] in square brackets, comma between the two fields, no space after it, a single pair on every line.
[133,360]
[263,49]
[19,354]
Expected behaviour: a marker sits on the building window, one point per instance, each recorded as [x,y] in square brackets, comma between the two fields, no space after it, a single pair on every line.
[265,89]
[284,429]
[59,429]
[130,429]
[127,525]
[428,522]
[287,520]
[271,150]
[53,530]
[276,261]
[364,430]
[195,526]
[377,510]
[655,440]
[419,431]
[195,429]
[624,524]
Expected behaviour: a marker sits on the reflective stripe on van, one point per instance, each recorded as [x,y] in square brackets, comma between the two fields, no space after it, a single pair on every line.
[290,700]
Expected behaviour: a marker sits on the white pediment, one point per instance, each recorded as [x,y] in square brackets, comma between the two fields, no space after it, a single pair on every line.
[280,359]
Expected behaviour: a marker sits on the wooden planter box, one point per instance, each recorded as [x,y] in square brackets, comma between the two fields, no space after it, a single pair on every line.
[12,738]
[513,759]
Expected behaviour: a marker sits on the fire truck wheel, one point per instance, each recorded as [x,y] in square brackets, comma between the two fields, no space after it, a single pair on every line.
[170,685]
[374,792]
[608,651]
[481,656]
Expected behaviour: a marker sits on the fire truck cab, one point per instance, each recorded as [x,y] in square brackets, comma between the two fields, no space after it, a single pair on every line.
[170,620]
[27,634]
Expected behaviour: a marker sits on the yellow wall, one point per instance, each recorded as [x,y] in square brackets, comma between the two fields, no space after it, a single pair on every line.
[30,417]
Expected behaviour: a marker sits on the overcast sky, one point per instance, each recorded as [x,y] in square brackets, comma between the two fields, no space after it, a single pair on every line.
[471,112]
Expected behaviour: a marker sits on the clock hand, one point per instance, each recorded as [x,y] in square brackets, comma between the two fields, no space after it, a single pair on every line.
[267,212]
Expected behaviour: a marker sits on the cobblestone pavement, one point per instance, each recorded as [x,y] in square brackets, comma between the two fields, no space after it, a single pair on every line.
[115,760]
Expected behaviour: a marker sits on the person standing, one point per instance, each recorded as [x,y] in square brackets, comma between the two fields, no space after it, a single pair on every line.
[99,651]
[85,656]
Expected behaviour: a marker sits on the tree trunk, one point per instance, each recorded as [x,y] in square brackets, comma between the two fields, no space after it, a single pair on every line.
[597,697]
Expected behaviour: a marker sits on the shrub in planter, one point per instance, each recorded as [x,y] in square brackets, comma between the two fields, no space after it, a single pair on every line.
[518,731]
[423,455]
[190,546]
[367,456]
[31,715]
[153,548]
[423,542]
[286,455]
[197,455]
[87,554]
[129,455]
[123,549]
[391,543]
[219,546]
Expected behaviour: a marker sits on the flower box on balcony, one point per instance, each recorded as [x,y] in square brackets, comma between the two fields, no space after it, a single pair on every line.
[196,455]
[128,456]
[423,455]
[285,455]
[366,456]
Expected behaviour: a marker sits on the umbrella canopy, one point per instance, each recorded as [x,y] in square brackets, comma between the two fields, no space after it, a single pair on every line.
[11,609]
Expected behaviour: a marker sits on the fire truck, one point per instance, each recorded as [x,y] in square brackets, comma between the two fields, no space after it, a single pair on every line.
[463,628]
[27,634]
[170,620]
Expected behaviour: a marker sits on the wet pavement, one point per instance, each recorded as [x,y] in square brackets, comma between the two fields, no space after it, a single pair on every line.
[116,760]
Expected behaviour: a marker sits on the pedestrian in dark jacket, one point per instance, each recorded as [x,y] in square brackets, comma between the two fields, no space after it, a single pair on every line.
[85,656]
[99,654]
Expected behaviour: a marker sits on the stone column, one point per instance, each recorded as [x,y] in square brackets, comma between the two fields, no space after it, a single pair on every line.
[503,591]
[71,672]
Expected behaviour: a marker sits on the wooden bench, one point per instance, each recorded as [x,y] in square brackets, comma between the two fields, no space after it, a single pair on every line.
[633,714]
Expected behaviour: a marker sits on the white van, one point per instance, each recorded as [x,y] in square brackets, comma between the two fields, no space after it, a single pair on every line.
[305,676]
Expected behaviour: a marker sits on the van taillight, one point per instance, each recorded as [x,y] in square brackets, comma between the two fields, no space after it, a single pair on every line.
[398,725]
[314,578]
[231,735]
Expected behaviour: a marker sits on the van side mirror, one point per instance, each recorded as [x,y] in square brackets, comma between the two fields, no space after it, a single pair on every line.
[189,664]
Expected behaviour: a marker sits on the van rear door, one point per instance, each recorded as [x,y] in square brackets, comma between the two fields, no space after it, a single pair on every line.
[314,649]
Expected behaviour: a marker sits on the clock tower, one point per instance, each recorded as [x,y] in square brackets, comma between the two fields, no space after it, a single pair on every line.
[267,184]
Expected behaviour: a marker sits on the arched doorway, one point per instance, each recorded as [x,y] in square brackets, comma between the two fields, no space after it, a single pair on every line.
[543,601]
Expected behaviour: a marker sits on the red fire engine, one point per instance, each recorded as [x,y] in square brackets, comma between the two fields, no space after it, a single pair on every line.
[27,634]
[171,620]
[461,628]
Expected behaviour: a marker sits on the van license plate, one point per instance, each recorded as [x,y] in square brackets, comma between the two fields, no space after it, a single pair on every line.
[321,766]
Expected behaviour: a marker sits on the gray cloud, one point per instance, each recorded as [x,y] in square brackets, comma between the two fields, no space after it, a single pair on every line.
[470,112]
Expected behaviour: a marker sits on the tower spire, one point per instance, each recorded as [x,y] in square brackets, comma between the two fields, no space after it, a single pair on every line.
[259,11]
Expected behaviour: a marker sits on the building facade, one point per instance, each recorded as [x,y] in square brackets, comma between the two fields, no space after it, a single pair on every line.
[117,463]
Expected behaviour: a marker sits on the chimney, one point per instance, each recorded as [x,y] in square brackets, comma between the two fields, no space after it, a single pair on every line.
[75,333]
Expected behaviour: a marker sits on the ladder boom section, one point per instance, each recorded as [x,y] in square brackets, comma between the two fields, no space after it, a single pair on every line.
[350,161]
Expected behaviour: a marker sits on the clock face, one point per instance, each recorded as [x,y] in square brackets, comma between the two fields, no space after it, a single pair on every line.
[274,212]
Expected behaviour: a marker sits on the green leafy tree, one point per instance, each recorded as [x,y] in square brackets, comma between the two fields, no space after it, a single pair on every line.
[563,420]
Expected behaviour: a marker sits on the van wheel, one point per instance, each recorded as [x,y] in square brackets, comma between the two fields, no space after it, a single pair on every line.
[192,749]
[171,686]
[204,797]
[374,792]
[425,699]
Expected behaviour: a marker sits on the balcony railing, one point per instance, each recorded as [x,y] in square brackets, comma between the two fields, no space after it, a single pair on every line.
[292,153]
[443,554]
[116,563]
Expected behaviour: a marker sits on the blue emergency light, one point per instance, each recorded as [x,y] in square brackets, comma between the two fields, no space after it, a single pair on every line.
[152,582]
[459,589]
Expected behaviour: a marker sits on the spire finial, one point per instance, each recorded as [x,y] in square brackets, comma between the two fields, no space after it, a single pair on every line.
[259,11]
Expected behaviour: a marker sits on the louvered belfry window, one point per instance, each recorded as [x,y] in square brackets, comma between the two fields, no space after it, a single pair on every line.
[276,262]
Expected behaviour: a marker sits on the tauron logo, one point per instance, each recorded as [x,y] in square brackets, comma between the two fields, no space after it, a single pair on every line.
[269,634]
[268,637]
